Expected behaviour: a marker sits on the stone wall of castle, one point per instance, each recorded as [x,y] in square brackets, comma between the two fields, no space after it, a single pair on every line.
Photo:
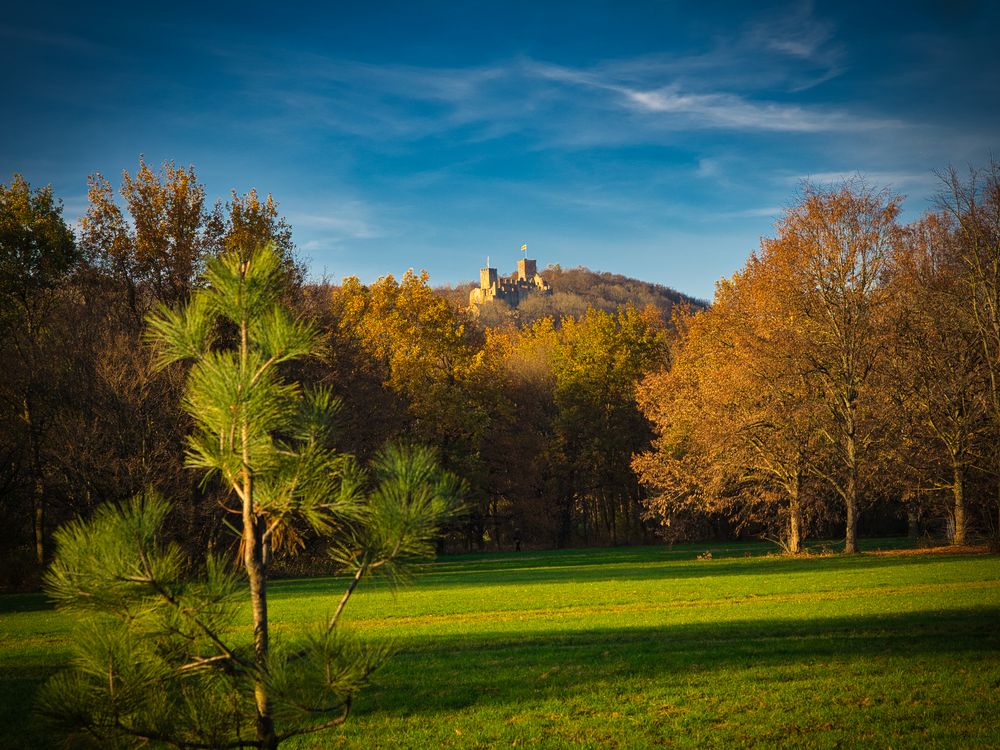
[512,289]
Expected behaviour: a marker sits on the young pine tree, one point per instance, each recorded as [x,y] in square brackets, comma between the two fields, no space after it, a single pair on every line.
[157,655]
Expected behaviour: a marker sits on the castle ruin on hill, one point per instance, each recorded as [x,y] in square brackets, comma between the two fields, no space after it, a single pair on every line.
[512,289]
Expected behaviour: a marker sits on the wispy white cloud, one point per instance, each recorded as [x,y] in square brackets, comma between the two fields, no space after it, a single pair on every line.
[729,111]
[684,108]
[797,33]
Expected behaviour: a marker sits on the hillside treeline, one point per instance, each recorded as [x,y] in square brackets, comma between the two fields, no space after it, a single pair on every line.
[848,375]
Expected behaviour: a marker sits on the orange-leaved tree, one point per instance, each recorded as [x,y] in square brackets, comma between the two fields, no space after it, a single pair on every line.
[937,368]
[827,267]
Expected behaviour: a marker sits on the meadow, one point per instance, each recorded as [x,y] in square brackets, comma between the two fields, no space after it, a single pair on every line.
[637,647]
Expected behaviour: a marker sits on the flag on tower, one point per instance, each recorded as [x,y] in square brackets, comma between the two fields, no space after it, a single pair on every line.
[524,248]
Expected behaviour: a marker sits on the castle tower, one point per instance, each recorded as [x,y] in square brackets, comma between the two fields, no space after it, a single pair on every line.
[526,269]
[487,278]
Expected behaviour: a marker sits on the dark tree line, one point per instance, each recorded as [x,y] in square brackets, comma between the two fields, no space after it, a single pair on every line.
[86,417]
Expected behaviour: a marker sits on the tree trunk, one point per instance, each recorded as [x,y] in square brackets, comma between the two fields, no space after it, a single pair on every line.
[851,531]
[253,559]
[39,520]
[794,521]
[958,490]
[565,521]
[609,526]
[996,531]
[38,485]
[912,525]
[495,520]
[255,562]
[851,497]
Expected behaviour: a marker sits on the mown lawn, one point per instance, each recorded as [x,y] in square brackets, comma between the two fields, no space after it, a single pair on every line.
[640,647]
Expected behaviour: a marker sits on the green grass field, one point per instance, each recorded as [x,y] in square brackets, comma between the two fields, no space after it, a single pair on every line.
[639,647]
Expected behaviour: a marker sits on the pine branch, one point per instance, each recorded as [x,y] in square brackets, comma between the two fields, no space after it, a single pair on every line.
[320,727]
[170,599]
[359,573]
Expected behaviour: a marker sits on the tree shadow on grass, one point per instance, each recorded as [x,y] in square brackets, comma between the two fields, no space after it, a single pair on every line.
[431,676]
[13,603]
[436,675]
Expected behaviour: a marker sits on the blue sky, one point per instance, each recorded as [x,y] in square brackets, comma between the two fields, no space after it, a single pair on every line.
[659,140]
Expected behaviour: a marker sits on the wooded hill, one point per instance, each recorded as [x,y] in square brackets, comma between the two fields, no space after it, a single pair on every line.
[574,290]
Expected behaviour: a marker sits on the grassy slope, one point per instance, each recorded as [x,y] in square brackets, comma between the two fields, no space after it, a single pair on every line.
[642,647]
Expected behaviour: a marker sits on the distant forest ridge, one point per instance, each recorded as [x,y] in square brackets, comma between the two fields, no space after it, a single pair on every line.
[573,291]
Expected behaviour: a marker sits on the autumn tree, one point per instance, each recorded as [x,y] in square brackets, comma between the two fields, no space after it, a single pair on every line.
[158,244]
[37,255]
[156,661]
[938,371]
[598,363]
[542,420]
[738,426]
[148,241]
[416,347]
[826,266]
[678,465]
[973,205]
[248,221]
[783,362]
[512,385]
[774,413]
[556,422]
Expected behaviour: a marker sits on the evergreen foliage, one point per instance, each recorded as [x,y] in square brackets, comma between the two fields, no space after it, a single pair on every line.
[159,658]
